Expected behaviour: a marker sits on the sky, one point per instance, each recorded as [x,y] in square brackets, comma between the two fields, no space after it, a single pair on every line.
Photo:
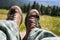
[48,2]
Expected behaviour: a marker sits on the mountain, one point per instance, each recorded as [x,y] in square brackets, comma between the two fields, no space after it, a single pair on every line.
[7,3]
[44,2]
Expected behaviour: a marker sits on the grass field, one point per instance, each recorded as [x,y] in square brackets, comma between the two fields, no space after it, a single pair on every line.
[46,22]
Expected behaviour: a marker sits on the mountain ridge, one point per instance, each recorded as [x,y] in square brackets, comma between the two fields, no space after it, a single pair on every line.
[7,3]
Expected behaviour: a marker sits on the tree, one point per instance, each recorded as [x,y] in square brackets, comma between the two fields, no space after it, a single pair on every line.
[48,10]
[24,8]
[42,8]
[28,7]
[36,6]
[55,11]
[59,12]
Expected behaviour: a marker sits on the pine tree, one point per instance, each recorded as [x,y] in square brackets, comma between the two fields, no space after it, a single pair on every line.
[55,11]
[42,8]
[48,10]
[25,8]
[36,6]
[28,7]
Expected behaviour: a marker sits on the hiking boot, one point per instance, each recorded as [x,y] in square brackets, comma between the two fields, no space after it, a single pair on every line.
[31,21]
[15,14]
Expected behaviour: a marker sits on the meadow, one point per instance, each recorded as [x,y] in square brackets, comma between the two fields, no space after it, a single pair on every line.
[47,22]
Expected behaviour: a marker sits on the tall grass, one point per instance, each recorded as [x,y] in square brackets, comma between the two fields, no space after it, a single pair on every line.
[51,23]
[46,22]
[22,27]
[3,11]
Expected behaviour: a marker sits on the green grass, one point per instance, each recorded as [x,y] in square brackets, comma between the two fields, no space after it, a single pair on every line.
[51,23]
[3,11]
[46,22]
[22,27]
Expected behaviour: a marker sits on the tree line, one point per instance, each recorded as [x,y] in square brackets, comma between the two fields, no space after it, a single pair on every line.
[45,10]
[49,10]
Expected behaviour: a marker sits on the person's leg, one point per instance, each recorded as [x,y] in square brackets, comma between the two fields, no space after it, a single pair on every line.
[33,29]
[40,34]
[9,28]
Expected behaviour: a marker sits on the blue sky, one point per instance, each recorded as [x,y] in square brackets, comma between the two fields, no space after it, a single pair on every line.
[48,2]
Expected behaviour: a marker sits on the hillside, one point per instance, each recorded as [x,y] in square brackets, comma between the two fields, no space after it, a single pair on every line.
[7,3]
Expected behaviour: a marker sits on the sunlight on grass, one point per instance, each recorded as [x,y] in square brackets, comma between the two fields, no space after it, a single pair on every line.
[51,23]
[3,11]
[46,22]
[22,27]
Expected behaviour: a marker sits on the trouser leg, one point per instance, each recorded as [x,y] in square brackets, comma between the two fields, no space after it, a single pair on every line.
[38,34]
[9,30]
